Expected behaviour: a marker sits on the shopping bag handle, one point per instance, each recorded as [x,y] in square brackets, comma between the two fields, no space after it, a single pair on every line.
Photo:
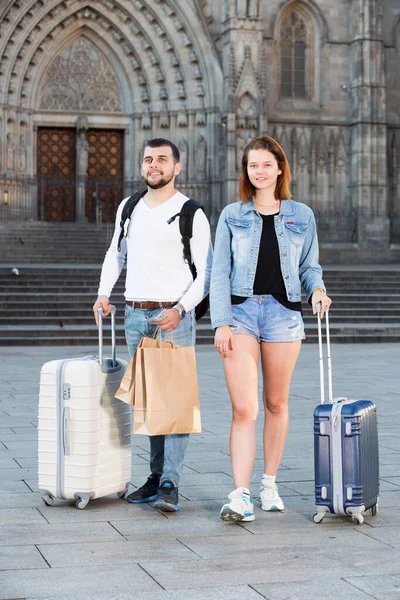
[113,348]
[321,357]
[157,336]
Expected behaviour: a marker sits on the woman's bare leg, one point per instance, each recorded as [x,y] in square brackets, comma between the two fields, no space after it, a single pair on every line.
[241,373]
[278,362]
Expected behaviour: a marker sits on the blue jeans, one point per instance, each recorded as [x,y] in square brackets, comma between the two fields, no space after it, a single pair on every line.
[167,453]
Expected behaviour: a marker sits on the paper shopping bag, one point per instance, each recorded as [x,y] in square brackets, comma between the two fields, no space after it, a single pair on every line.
[126,391]
[166,390]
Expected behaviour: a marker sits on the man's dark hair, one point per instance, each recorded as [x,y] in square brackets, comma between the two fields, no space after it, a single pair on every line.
[158,142]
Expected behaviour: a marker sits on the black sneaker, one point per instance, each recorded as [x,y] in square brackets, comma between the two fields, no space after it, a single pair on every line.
[146,493]
[167,499]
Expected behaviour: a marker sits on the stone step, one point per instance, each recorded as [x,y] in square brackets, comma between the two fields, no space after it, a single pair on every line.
[92,330]
[74,287]
[86,320]
[85,312]
[80,340]
[88,296]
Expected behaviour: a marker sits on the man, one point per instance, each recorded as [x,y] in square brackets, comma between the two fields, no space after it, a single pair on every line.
[160,292]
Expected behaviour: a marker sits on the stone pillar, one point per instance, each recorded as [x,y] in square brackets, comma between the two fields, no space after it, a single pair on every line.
[369,154]
[242,59]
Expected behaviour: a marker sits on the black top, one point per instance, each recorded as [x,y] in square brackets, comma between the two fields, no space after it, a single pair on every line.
[268,278]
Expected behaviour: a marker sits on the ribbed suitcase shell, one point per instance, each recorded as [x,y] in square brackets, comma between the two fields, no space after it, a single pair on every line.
[84,431]
[346,456]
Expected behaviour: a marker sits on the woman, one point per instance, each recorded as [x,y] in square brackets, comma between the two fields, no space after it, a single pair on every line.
[266,247]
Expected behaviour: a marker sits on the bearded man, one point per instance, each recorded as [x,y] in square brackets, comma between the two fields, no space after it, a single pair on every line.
[160,292]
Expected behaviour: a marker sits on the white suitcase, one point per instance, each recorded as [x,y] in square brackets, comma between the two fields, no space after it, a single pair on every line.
[84,431]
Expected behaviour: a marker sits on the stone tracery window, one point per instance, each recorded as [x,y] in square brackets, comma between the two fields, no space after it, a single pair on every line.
[81,79]
[293,47]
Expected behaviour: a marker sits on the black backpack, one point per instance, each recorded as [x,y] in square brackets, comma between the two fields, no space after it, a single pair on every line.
[186,216]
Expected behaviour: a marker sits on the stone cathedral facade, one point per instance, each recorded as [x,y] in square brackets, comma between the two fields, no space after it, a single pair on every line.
[84,84]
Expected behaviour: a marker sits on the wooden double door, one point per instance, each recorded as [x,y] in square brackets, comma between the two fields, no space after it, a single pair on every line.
[59,188]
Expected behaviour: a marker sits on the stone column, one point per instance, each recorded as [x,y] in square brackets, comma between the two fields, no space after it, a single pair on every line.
[369,158]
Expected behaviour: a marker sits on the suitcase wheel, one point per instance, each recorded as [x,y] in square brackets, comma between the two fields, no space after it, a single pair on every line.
[357,519]
[374,510]
[81,503]
[318,517]
[48,499]
[124,491]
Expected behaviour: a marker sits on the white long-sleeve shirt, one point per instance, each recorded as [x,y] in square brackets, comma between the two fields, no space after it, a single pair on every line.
[156,270]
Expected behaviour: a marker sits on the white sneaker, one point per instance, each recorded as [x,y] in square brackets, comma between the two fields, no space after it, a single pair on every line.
[270,499]
[240,507]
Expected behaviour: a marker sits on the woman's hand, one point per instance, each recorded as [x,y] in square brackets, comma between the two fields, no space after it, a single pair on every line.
[223,340]
[325,301]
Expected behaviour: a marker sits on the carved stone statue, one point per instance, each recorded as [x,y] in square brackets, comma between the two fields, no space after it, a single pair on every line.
[82,161]
[183,149]
[201,158]
[240,146]
[82,147]
[10,152]
[22,154]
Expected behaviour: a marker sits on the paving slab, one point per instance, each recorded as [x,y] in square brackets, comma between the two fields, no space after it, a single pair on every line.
[269,542]
[324,589]
[282,564]
[381,588]
[176,527]
[112,579]
[116,553]
[10,516]
[63,533]
[27,557]
[240,592]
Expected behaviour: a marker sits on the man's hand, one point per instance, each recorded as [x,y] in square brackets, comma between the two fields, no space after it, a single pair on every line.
[104,303]
[170,321]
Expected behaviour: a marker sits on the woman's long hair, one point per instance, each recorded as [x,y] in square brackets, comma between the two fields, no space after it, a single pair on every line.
[246,188]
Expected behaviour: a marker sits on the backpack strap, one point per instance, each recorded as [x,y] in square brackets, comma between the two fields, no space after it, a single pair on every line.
[186,217]
[127,211]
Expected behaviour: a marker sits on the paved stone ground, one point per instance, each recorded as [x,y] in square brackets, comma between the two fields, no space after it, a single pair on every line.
[112,550]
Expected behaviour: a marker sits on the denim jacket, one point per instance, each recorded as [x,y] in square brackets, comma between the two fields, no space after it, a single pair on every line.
[237,243]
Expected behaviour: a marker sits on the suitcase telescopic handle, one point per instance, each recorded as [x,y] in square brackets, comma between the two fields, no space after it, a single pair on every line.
[113,349]
[321,355]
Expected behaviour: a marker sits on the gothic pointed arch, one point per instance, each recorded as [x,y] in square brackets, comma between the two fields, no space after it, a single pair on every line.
[300,31]
[81,78]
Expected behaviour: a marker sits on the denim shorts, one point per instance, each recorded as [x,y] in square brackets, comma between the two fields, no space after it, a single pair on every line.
[267,320]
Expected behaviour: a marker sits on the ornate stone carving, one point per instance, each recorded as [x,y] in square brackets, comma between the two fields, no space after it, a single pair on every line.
[182,119]
[146,119]
[81,79]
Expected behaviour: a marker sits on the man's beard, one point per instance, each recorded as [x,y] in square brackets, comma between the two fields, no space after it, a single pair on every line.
[163,181]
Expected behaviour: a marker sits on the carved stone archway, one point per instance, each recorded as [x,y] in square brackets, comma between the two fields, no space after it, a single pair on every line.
[159,59]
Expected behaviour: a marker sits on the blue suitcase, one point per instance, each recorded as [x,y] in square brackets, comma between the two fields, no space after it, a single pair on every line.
[346,456]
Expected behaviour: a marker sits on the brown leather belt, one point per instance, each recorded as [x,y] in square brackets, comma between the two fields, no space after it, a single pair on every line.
[148,305]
